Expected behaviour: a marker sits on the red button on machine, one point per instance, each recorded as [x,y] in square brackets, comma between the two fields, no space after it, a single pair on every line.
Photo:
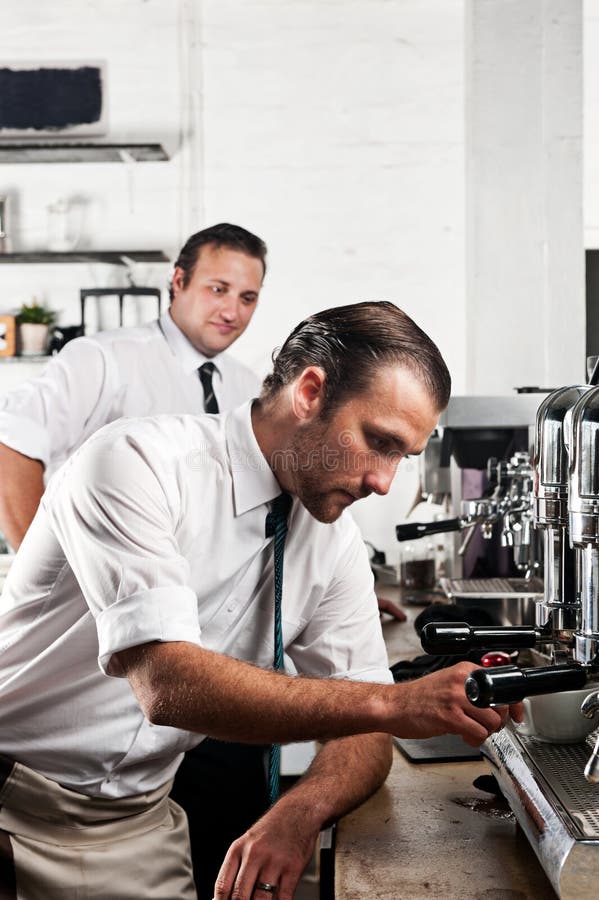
[495,658]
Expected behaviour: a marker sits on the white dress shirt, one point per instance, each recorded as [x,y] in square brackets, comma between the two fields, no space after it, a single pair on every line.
[155,531]
[126,372]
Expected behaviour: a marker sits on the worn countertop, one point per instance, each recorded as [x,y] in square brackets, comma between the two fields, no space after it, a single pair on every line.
[428,832]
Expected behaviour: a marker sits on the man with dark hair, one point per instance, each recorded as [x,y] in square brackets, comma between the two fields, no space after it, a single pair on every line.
[157,368]
[160,546]
[230,237]
[177,364]
[348,343]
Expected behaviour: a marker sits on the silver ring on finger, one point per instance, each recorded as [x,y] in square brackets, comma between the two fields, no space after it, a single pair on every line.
[265,886]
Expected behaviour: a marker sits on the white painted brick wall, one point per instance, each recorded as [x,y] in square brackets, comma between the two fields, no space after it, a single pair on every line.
[334,129]
[124,206]
[591,124]
[525,287]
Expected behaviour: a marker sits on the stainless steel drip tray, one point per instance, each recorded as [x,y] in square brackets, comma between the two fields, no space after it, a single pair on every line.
[561,767]
[492,588]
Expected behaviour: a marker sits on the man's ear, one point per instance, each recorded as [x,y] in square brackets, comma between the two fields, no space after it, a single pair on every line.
[178,280]
[308,393]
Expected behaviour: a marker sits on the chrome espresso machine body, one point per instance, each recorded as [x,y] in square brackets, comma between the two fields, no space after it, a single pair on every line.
[480,467]
[552,788]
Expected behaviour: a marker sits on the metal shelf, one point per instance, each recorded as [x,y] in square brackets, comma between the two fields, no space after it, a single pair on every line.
[80,152]
[13,360]
[112,257]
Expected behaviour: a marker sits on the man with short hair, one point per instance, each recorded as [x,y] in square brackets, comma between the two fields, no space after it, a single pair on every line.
[142,612]
[177,364]
[140,371]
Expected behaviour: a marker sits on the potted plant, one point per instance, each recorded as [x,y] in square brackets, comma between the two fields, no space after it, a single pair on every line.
[34,322]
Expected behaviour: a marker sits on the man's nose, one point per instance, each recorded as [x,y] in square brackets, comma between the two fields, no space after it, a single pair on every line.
[229,308]
[379,479]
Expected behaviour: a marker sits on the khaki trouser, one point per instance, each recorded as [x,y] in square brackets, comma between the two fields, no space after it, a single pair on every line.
[57,844]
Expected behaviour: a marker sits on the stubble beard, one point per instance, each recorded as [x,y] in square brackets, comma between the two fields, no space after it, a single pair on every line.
[310,477]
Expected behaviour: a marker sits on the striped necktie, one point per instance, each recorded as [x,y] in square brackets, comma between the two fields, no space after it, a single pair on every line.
[276,526]
[205,372]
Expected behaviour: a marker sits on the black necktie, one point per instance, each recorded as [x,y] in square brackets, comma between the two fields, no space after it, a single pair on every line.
[205,372]
[276,526]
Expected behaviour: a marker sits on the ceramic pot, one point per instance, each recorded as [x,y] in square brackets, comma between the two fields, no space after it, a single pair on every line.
[34,338]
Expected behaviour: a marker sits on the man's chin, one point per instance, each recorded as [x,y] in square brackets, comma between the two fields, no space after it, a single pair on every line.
[211,345]
[327,512]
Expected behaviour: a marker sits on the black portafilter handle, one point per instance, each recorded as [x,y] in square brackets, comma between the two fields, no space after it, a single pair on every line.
[413,530]
[502,685]
[459,638]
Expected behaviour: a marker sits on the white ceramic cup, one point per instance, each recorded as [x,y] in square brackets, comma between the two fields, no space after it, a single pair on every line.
[556,718]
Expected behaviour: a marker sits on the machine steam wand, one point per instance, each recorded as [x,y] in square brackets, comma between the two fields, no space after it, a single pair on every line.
[509,501]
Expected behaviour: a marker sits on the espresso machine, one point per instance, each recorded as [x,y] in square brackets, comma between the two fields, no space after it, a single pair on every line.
[480,466]
[553,789]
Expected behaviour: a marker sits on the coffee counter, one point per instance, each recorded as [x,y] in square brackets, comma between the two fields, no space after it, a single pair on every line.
[429,833]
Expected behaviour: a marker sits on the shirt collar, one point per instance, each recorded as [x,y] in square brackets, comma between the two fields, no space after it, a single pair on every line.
[190,358]
[254,483]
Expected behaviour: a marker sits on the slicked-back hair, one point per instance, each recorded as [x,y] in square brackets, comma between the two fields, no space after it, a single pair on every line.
[351,344]
[234,237]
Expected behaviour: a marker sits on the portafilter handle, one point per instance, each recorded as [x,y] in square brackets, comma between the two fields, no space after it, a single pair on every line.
[410,531]
[508,684]
[449,638]
[589,708]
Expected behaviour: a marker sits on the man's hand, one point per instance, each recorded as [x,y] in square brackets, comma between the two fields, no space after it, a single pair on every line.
[275,850]
[388,606]
[437,704]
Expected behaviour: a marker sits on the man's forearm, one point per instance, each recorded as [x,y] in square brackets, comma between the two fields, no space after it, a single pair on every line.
[189,687]
[345,773]
[21,489]
[185,686]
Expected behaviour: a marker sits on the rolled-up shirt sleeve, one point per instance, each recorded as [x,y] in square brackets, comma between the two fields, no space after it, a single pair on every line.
[47,417]
[113,514]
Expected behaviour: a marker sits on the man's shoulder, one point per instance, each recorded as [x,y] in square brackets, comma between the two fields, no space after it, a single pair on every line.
[139,334]
[171,434]
[232,364]
[174,429]
[162,443]
[241,382]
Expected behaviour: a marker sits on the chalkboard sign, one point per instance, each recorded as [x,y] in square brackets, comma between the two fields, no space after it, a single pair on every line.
[61,100]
